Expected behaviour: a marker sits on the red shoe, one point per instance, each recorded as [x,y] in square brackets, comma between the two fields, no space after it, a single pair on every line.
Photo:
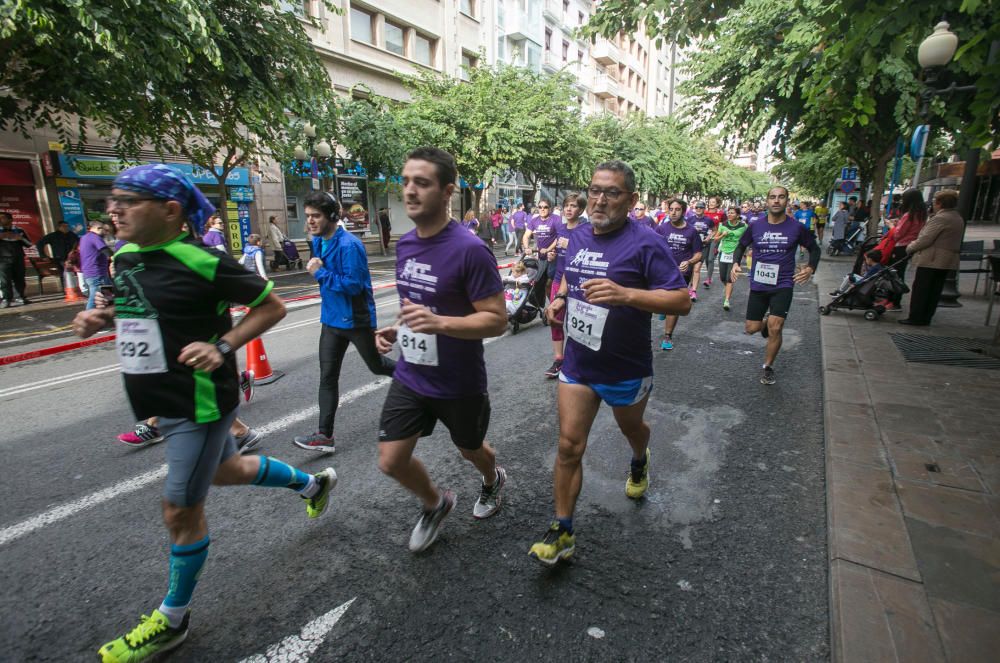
[143,436]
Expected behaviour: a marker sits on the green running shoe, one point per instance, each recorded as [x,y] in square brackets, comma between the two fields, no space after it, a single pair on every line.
[638,480]
[556,545]
[152,636]
[316,505]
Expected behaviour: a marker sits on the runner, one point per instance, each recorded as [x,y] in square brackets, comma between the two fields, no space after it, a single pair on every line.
[662,213]
[176,349]
[703,225]
[758,213]
[520,219]
[822,216]
[774,243]
[745,211]
[347,315]
[573,206]
[618,275]
[542,227]
[641,217]
[451,298]
[717,215]
[727,236]
[686,248]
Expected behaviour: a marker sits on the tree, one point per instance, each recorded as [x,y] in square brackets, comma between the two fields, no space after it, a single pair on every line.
[813,173]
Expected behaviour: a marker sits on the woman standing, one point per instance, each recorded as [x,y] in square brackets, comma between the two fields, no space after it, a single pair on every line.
[470,222]
[496,225]
[574,205]
[935,251]
[914,216]
[727,236]
[839,226]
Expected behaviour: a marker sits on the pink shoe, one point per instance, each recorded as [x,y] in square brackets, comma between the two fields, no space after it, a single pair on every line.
[693,295]
[246,385]
[143,436]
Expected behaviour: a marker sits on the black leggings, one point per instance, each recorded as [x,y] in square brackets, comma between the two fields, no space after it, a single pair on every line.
[333,344]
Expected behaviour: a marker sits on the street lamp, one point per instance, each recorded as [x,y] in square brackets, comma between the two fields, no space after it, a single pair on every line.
[316,154]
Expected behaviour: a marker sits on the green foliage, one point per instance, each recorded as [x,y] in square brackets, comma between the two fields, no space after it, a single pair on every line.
[372,135]
[813,172]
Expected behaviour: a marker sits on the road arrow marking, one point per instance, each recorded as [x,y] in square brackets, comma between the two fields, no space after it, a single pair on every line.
[298,648]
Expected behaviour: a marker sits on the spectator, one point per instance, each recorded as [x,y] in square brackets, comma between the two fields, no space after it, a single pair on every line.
[935,251]
[385,227]
[12,243]
[94,255]
[873,265]
[839,224]
[519,219]
[253,256]
[496,225]
[59,242]
[215,238]
[470,222]
[275,237]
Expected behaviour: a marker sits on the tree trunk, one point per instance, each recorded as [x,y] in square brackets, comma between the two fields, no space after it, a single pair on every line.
[223,210]
[878,185]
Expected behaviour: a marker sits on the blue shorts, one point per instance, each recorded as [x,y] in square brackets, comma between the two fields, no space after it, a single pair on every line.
[618,394]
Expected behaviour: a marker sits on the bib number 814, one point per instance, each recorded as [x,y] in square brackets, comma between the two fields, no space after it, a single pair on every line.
[412,343]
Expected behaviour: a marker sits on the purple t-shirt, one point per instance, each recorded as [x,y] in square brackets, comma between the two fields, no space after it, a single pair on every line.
[753,217]
[93,256]
[632,257]
[702,224]
[471,225]
[774,246]
[544,230]
[562,241]
[683,242]
[213,239]
[646,220]
[520,218]
[446,273]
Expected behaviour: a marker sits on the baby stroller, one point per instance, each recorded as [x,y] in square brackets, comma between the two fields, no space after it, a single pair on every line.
[524,296]
[287,257]
[854,236]
[870,294]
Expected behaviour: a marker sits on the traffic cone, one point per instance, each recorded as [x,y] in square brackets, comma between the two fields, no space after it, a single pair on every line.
[69,287]
[258,363]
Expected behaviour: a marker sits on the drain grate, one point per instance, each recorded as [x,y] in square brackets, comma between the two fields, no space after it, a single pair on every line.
[945,350]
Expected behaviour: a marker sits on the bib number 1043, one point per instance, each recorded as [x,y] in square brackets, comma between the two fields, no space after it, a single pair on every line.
[765,273]
[420,349]
[585,323]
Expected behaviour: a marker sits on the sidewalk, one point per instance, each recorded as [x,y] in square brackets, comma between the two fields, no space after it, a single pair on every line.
[913,487]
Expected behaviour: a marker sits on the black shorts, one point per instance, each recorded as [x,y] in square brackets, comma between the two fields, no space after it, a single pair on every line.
[406,413]
[724,268]
[761,302]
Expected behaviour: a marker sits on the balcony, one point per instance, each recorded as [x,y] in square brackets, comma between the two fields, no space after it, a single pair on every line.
[553,10]
[520,28]
[551,62]
[606,87]
[584,77]
[605,52]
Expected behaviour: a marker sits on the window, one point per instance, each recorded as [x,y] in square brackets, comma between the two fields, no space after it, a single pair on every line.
[565,9]
[579,56]
[580,20]
[565,50]
[502,48]
[468,62]
[548,40]
[423,50]
[468,7]
[297,7]
[361,26]
[393,38]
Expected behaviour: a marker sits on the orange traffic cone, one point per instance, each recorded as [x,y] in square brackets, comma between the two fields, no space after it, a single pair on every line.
[69,287]
[258,363]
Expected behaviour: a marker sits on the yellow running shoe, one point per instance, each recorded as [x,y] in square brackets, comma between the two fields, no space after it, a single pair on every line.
[638,480]
[556,545]
[316,505]
[152,636]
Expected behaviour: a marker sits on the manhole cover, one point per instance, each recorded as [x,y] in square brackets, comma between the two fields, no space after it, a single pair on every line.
[946,350]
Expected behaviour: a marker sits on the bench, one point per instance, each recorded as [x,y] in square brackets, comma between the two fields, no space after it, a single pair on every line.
[46,267]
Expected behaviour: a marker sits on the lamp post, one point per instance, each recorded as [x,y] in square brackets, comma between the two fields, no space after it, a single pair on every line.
[317,154]
[934,54]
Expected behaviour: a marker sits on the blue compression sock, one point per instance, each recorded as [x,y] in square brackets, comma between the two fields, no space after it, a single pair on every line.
[276,474]
[185,567]
[566,524]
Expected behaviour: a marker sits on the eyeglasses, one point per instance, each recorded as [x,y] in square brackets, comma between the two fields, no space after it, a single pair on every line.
[125,202]
[640,209]
[596,192]
[543,207]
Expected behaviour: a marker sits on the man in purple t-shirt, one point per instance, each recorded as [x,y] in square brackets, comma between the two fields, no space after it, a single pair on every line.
[685,245]
[616,274]
[543,227]
[774,242]
[451,299]
[520,221]
[94,255]
[641,217]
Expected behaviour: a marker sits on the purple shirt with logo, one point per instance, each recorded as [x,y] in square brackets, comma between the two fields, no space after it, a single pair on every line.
[93,256]
[562,241]
[683,242]
[776,244]
[471,225]
[213,239]
[520,218]
[645,220]
[446,273]
[544,230]
[632,257]
[702,224]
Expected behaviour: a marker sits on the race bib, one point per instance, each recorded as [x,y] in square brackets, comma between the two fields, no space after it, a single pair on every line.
[419,349]
[140,346]
[585,323]
[725,257]
[765,273]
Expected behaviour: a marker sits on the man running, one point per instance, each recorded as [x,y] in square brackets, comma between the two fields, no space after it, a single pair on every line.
[641,217]
[703,225]
[774,243]
[340,267]
[617,274]
[176,348]
[717,215]
[727,236]
[451,299]
[520,219]
[543,227]
[574,205]
[686,248]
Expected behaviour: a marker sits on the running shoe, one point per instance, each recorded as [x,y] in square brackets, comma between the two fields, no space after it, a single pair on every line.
[663,316]
[25,301]
[554,369]
[693,295]
[315,442]
[638,479]
[316,505]
[143,436]
[725,305]
[248,440]
[246,385]
[557,544]
[489,498]
[707,283]
[666,343]
[426,530]
[767,377]
[151,637]
[764,331]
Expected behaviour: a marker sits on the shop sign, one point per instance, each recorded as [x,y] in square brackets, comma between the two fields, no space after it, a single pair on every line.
[72,209]
[55,146]
[352,192]
[88,167]
[241,194]
[237,225]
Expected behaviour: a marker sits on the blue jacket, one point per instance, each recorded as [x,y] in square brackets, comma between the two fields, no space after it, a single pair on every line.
[345,284]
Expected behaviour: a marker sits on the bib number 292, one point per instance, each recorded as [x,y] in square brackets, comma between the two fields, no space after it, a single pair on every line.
[140,346]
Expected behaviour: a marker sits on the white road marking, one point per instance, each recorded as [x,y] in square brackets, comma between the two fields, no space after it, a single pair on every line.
[63,511]
[51,382]
[298,648]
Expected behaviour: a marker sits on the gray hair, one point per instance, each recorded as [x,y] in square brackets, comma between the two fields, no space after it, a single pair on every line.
[617,166]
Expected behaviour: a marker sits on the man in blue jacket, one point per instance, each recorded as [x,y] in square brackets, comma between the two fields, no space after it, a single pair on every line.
[340,266]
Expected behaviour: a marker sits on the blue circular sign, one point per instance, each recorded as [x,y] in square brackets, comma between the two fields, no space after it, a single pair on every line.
[847,186]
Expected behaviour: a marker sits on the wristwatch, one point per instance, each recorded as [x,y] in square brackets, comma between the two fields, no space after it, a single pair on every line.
[226,349]
[560,296]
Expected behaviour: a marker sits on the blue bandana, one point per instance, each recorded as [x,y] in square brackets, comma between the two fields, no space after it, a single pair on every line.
[161,181]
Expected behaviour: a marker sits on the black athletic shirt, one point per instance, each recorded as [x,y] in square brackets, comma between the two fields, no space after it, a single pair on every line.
[187,289]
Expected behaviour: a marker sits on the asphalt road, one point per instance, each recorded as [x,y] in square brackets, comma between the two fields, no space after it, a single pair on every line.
[724,560]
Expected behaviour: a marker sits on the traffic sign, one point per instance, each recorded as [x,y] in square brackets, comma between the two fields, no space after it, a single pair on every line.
[849,173]
[848,186]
